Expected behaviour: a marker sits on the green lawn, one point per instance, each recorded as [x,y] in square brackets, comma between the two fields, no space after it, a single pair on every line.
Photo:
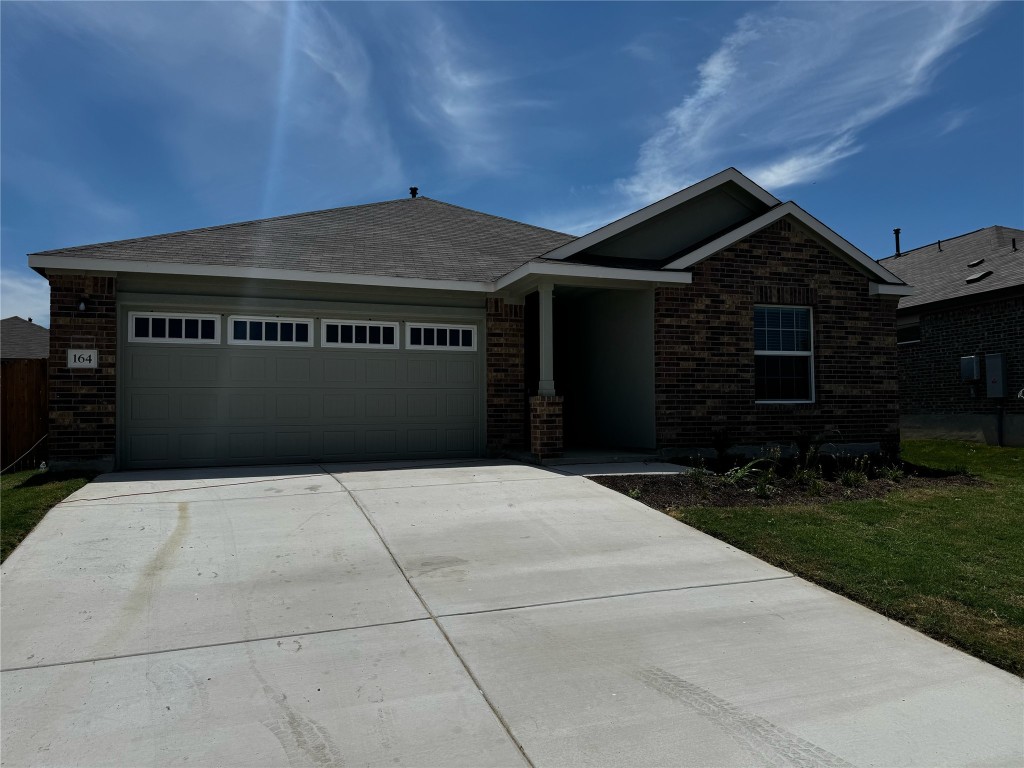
[26,496]
[948,562]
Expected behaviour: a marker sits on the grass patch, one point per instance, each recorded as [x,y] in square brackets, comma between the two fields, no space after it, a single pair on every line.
[943,558]
[26,496]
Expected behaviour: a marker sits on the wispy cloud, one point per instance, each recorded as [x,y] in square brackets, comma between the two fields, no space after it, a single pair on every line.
[787,93]
[459,98]
[26,296]
[954,120]
[269,101]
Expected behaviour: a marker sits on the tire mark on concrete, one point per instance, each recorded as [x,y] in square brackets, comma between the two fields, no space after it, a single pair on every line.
[141,597]
[305,742]
[770,744]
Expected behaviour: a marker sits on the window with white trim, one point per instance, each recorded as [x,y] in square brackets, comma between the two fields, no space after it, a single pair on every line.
[270,331]
[173,328]
[346,333]
[430,336]
[783,355]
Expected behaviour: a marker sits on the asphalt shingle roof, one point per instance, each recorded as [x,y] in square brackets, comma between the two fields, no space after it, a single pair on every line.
[416,238]
[21,339]
[938,275]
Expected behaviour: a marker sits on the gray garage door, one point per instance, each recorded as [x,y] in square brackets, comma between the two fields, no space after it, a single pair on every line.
[200,402]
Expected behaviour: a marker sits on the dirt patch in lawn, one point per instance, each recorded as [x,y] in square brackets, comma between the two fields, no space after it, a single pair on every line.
[699,488]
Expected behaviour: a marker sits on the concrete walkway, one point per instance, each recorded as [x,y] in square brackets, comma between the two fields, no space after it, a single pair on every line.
[474,614]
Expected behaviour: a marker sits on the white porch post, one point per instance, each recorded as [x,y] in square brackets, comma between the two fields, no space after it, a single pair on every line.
[547,349]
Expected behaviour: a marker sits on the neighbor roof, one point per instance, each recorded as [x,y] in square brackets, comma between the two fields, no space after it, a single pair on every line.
[409,238]
[22,339]
[940,271]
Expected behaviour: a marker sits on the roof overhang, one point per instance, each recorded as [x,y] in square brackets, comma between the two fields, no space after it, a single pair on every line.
[654,209]
[878,273]
[519,280]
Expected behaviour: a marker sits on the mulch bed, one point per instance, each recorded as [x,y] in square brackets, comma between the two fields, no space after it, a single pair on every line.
[684,490]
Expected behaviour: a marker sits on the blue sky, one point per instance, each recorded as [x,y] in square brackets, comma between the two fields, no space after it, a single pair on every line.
[128,119]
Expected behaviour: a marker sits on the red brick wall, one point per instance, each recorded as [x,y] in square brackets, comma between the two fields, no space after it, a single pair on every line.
[704,347]
[930,368]
[83,402]
[546,439]
[506,384]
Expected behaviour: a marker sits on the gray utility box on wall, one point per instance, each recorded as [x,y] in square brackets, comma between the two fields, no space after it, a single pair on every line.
[995,374]
[970,368]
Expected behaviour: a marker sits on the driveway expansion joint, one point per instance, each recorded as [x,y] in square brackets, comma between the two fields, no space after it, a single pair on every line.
[433,617]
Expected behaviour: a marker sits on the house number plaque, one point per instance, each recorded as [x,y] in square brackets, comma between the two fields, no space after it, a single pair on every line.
[82,358]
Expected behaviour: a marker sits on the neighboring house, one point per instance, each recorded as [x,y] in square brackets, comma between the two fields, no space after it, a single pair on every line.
[961,337]
[415,328]
[24,348]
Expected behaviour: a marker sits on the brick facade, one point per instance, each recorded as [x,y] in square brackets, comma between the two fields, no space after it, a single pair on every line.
[506,383]
[83,402]
[546,438]
[704,347]
[930,368]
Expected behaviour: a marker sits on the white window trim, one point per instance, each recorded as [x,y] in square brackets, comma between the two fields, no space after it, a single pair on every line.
[781,353]
[269,319]
[446,326]
[356,345]
[173,316]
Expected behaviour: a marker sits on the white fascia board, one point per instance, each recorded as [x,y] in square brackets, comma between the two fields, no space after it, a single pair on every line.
[590,272]
[798,213]
[74,264]
[885,289]
[654,209]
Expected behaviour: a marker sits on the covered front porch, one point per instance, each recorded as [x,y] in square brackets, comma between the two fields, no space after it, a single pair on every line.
[589,369]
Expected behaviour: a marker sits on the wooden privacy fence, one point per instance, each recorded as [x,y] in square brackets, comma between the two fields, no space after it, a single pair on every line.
[23,413]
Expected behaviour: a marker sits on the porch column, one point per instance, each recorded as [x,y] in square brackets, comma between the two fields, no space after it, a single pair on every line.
[546,441]
[546,386]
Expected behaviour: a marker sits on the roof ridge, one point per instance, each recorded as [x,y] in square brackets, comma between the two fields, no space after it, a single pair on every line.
[213,227]
[495,216]
[945,240]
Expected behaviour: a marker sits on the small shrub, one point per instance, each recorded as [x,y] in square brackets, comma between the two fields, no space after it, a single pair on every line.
[736,475]
[700,476]
[853,478]
[763,489]
[807,475]
[815,486]
[891,473]
[634,493]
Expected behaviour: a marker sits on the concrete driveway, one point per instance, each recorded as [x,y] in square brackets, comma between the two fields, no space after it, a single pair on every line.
[476,614]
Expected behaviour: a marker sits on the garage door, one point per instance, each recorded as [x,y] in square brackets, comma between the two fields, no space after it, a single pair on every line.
[208,389]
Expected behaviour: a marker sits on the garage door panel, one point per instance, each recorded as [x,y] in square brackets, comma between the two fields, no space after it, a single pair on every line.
[227,404]
[340,371]
[292,370]
[151,406]
[198,446]
[153,367]
[291,406]
[197,369]
[247,406]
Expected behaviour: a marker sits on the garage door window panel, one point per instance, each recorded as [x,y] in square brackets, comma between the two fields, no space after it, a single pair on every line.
[365,335]
[460,338]
[271,331]
[166,328]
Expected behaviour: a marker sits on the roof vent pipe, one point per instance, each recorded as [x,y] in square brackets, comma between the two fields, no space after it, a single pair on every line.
[897,233]
[413,191]
[940,245]
[1013,240]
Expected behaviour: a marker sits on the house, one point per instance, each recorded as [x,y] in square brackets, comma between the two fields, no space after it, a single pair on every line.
[416,328]
[24,348]
[961,337]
